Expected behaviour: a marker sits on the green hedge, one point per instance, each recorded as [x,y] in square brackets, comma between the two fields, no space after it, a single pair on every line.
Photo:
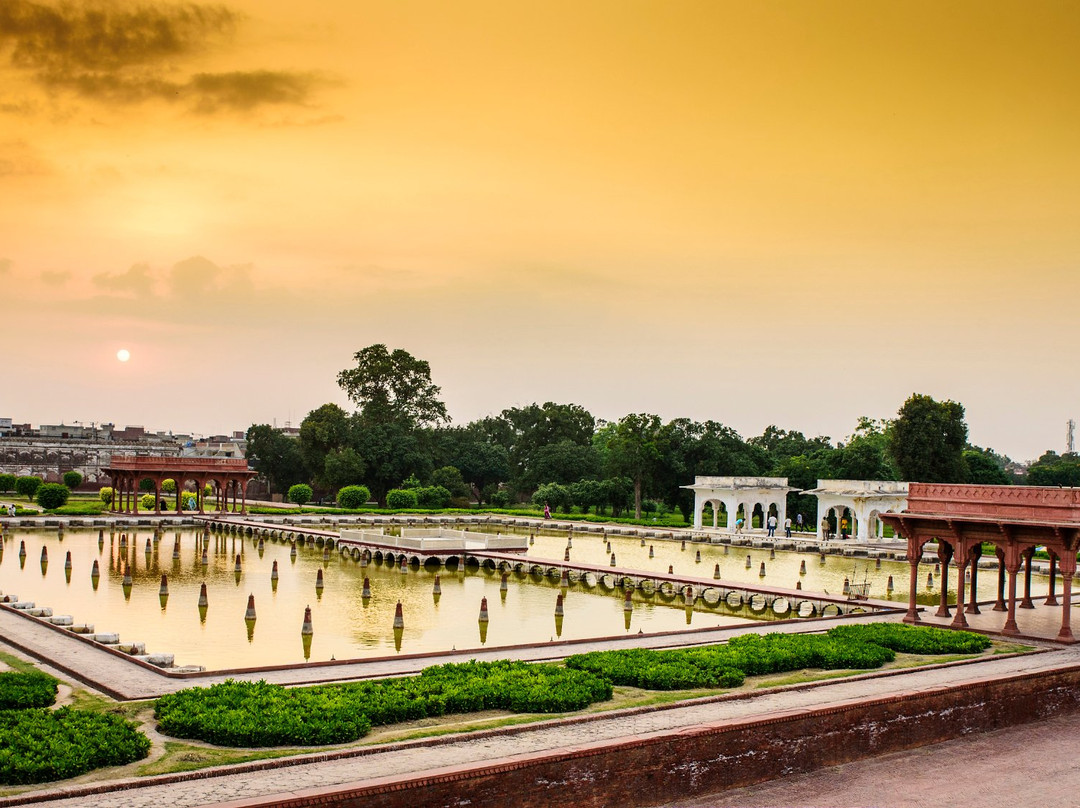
[261,714]
[21,691]
[860,647]
[38,746]
[914,639]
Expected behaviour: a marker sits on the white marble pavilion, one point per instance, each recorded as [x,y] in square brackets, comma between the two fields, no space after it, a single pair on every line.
[740,496]
[863,501]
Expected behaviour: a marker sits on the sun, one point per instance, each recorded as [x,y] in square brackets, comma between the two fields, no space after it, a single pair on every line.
[123,354]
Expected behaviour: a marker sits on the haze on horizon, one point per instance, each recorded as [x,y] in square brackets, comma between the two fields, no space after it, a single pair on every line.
[787,213]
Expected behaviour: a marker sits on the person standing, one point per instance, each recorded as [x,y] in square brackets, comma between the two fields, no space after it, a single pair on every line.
[787,527]
[799,522]
[772,525]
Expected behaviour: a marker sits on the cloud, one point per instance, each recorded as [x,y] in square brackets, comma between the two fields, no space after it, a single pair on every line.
[137,281]
[55,278]
[18,158]
[122,53]
[200,278]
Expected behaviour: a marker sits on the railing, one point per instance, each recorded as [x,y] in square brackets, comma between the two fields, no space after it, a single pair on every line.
[136,462]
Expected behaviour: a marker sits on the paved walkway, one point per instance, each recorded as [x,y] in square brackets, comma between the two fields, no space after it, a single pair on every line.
[484,748]
[1019,767]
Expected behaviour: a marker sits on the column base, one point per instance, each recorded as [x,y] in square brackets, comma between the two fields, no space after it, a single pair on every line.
[1011,629]
[1000,607]
[959,621]
[1065,636]
[973,608]
[1051,601]
[943,611]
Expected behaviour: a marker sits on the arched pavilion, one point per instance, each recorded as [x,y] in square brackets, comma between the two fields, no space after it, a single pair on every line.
[865,500]
[1014,519]
[228,476]
[740,496]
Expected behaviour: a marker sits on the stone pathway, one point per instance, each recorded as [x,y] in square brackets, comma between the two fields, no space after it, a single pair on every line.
[483,748]
[1019,767]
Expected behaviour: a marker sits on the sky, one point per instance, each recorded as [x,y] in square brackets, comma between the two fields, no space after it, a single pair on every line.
[790,213]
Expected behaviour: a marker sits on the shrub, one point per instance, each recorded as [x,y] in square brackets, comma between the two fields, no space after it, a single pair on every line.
[500,498]
[168,486]
[300,494]
[7,482]
[913,639]
[401,499]
[146,502]
[21,691]
[28,486]
[432,497]
[37,746]
[261,714]
[353,496]
[449,477]
[52,495]
[106,495]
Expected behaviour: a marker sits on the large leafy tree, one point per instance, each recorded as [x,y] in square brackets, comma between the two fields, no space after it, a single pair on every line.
[927,440]
[276,456]
[536,426]
[392,452]
[392,386]
[324,430]
[634,451]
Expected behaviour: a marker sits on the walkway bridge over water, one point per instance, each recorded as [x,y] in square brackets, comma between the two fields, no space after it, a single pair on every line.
[456,549]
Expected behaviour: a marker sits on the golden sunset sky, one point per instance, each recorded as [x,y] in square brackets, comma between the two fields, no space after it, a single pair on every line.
[751,211]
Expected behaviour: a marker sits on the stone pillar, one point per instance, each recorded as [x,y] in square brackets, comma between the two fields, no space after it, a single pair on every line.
[1000,605]
[963,558]
[1051,599]
[699,508]
[976,554]
[243,496]
[1012,565]
[1068,569]
[1027,603]
[944,554]
[914,555]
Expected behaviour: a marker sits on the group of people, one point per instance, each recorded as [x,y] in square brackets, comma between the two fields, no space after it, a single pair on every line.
[9,510]
[829,532]
[771,524]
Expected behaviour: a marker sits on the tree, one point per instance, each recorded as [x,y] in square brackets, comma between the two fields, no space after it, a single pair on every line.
[984,467]
[7,482]
[927,440]
[633,451]
[391,451]
[28,486]
[300,494]
[276,456]
[52,495]
[535,428]
[394,386]
[553,494]
[353,496]
[561,462]
[324,430]
[1052,469]
[432,497]
[72,479]
[106,495]
[344,467]
[865,456]
[450,478]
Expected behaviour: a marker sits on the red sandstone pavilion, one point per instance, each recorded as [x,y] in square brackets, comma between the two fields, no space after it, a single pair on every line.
[1014,519]
[228,476]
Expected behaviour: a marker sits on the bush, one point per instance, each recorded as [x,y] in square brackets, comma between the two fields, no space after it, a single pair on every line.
[106,495]
[52,495]
[353,496]
[38,746]
[21,691]
[27,486]
[500,498]
[146,502]
[261,714]
[913,639]
[400,499]
[7,482]
[432,497]
[168,486]
[300,494]
[858,647]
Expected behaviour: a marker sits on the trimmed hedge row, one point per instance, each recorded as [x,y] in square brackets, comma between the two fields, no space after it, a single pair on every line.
[860,647]
[22,691]
[260,714]
[38,746]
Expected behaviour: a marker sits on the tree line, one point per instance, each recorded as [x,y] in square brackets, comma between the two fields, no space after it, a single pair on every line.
[399,437]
